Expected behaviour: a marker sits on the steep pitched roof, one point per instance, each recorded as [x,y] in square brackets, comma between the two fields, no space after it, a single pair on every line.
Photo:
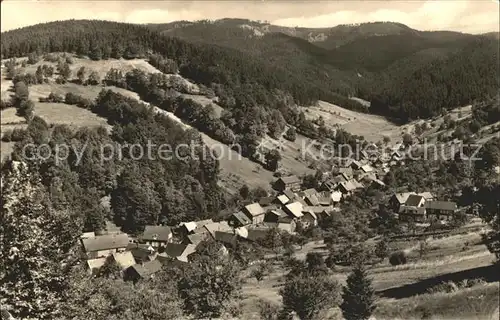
[190,226]
[254,209]
[124,259]
[96,263]
[441,205]
[265,201]
[427,195]
[217,226]
[413,200]
[309,192]
[242,218]
[255,234]
[283,199]
[402,197]
[157,233]
[196,238]
[366,168]
[290,179]
[147,269]
[312,199]
[295,208]
[290,195]
[345,171]
[105,242]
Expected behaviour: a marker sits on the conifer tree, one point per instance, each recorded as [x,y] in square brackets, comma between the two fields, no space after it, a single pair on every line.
[358,295]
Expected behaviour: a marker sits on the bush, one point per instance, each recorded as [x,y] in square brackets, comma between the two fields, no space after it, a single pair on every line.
[7,136]
[398,258]
[290,134]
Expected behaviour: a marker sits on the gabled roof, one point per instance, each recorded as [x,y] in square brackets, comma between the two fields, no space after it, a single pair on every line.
[283,199]
[427,195]
[367,168]
[413,200]
[124,259]
[290,179]
[254,209]
[255,234]
[225,237]
[309,192]
[190,226]
[105,242]
[265,201]
[217,226]
[278,213]
[147,269]
[441,205]
[290,195]
[402,197]
[196,238]
[96,263]
[157,233]
[310,214]
[312,199]
[346,170]
[411,210]
[316,209]
[242,218]
[324,200]
[86,235]
[295,208]
[174,250]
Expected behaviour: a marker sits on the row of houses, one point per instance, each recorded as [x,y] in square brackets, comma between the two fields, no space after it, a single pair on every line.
[420,207]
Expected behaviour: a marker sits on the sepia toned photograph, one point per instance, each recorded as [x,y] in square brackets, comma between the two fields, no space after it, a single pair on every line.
[250,160]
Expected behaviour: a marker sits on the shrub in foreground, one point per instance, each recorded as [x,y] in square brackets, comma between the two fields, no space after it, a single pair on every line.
[398,258]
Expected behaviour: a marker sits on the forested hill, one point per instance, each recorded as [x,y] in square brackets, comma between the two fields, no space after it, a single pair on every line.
[407,74]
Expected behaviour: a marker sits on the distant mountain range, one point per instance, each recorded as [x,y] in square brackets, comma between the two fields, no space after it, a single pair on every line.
[374,61]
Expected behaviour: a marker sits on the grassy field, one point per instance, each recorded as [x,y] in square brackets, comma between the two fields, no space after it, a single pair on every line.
[374,128]
[445,256]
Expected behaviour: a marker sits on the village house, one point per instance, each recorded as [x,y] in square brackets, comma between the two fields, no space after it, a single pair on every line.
[143,271]
[415,200]
[410,213]
[349,187]
[309,219]
[427,196]
[329,185]
[239,219]
[288,183]
[312,200]
[254,212]
[441,210]
[157,236]
[294,210]
[142,252]
[105,245]
[217,226]
[399,199]
[177,251]
[282,199]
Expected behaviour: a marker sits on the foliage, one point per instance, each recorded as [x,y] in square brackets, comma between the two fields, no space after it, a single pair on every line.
[114,299]
[37,247]
[308,295]
[398,258]
[209,284]
[358,296]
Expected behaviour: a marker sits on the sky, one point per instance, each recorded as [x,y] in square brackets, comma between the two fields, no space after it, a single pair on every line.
[472,16]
